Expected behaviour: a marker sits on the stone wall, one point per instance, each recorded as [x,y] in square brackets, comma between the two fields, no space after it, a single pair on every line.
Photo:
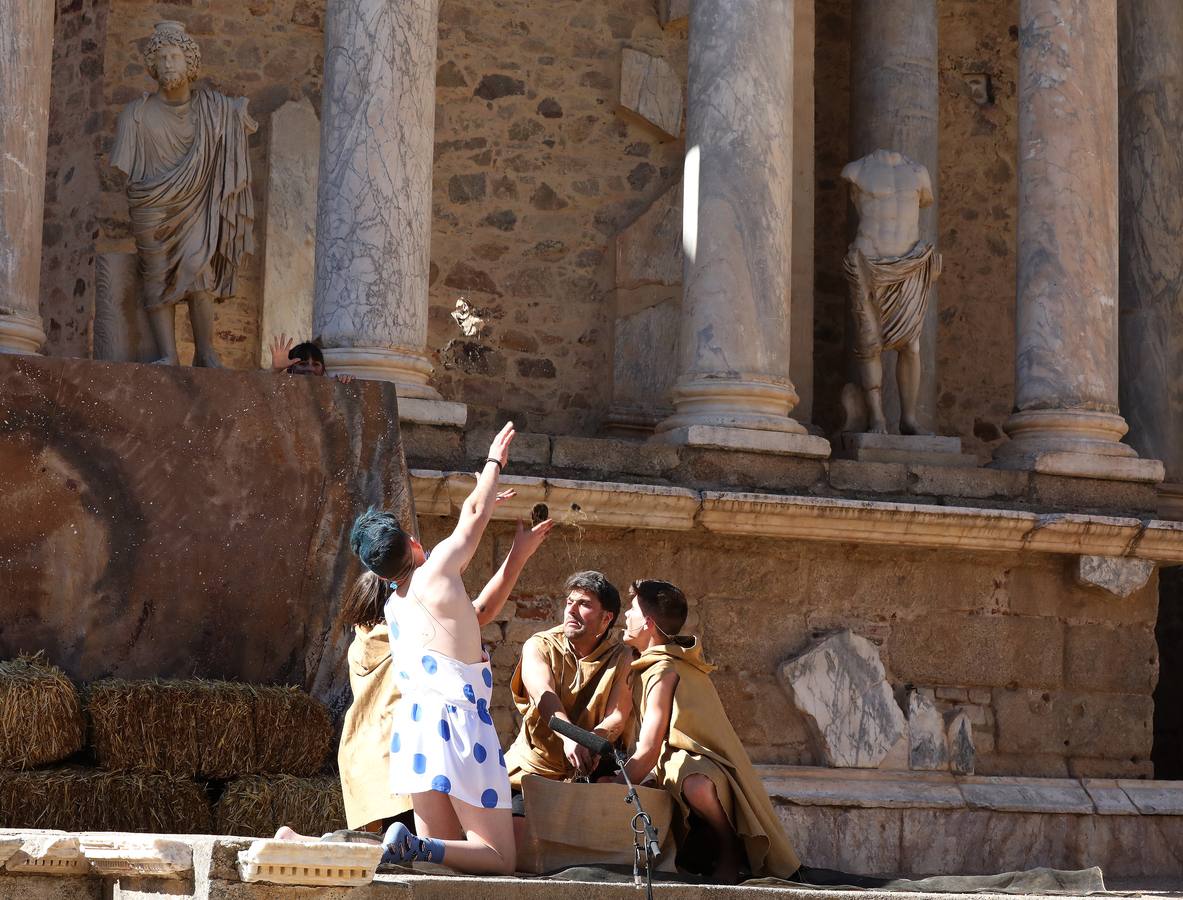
[1057,678]
[537,168]
[76,139]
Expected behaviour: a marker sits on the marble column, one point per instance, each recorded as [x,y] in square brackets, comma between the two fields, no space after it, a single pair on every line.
[733,388]
[26,60]
[1150,322]
[894,105]
[1066,359]
[373,221]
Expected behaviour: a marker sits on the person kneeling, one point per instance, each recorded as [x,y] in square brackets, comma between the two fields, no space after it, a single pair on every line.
[687,741]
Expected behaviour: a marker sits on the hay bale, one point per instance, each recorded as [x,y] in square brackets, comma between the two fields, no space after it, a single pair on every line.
[293,732]
[255,806]
[40,714]
[214,729]
[77,799]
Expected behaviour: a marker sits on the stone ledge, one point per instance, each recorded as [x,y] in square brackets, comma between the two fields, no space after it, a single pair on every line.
[661,507]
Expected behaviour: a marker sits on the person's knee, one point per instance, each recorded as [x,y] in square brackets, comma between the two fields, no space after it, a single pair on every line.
[699,792]
[506,865]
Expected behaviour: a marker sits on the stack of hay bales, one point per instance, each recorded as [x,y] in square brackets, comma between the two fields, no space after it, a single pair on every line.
[163,750]
[261,747]
[41,723]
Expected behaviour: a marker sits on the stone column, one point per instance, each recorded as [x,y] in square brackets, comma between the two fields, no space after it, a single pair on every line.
[373,221]
[733,388]
[801,294]
[26,62]
[894,105]
[1150,333]
[1066,360]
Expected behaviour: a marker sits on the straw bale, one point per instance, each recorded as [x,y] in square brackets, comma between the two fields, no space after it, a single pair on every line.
[256,805]
[214,729]
[77,799]
[293,732]
[40,714]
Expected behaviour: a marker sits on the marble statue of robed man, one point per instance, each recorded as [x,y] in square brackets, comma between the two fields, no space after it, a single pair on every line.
[890,272]
[189,191]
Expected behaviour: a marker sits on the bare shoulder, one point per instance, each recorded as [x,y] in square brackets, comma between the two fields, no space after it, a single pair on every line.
[852,170]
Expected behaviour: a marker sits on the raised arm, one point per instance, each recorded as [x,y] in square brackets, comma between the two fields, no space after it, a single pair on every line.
[497,591]
[655,726]
[454,552]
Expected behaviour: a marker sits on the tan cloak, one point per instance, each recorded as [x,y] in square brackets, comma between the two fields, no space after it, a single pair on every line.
[364,754]
[583,687]
[701,740]
[188,192]
[890,295]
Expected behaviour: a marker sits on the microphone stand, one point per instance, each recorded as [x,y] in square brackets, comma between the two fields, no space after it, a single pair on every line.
[644,837]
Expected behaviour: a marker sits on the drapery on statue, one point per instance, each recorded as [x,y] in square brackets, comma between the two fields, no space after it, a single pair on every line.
[890,272]
[188,192]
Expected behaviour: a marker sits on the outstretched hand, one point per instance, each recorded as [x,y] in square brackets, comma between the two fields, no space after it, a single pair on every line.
[527,540]
[281,346]
[499,449]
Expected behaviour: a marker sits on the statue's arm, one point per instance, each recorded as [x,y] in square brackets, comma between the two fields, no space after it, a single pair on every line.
[851,171]
[925,189]
[123,150]
[248,122]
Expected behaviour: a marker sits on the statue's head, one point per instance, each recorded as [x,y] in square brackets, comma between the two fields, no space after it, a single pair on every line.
[172,57]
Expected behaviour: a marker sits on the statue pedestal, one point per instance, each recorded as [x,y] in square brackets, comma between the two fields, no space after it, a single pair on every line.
[923,449]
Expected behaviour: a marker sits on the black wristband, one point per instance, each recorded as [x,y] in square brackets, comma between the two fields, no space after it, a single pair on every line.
[495,462]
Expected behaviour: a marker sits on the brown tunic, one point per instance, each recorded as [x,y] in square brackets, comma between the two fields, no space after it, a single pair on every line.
[583,686]
[364,754]
[702,741]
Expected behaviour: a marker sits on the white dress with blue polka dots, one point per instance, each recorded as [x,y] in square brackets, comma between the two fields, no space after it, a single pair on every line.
[443,737]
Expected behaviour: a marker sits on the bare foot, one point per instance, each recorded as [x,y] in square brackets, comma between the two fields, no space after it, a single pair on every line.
[207,360]
[287,834]
[166,361]
[911,426]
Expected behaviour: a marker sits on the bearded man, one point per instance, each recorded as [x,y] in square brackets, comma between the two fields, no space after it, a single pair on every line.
[189,191]
[578,671]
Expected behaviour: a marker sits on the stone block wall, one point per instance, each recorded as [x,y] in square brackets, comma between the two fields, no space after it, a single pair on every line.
[537,167]
[1056,678]
[76,140]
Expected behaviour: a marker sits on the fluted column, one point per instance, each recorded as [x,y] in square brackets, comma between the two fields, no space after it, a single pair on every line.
[733,388]
[1150,331]
[373,222]
[26,61]
[894,105]
[1066,361]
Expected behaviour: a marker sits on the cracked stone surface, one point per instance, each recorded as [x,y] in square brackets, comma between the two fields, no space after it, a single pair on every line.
[1119,576]
[926,735]
[651,88]
[841,689]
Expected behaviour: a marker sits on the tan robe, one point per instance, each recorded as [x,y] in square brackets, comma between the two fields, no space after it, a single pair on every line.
[583,686]
[364,754]
[702,741]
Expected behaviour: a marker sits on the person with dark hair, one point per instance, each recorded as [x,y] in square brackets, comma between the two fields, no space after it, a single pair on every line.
[578,671]
[726,825]
[305,358]
[444,750]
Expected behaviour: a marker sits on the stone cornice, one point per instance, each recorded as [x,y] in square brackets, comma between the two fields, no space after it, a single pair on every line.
[658,507]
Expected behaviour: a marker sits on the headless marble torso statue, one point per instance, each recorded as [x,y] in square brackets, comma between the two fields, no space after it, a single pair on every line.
[890,272]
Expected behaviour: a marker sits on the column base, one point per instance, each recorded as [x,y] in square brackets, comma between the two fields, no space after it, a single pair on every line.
[751,440]
[21,334]
[1076,443]
[418,401]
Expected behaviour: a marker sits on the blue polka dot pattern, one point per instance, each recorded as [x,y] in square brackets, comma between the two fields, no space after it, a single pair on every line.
[429,664]
[469,693]
[419,764]
[416,712]
[488,677]
[445,731]
[478,751]
[443,785]
[395,743]
[489,798]
[482,710]
[501,758]
[404,676]
[394,629]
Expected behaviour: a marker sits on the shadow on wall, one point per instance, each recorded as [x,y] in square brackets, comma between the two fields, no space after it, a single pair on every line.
[1167,754]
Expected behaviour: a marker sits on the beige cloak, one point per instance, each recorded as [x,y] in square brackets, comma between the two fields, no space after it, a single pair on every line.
[583,686]
[702,741]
